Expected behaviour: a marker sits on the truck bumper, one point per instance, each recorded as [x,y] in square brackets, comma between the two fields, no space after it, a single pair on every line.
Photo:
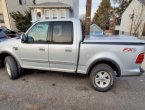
[134,72]
[141,71]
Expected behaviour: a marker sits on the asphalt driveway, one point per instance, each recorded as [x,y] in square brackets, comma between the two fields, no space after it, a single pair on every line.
[40,90]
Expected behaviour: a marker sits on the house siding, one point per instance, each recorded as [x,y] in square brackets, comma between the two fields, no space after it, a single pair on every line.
[127,22]
[0,7]
[8,6]
[76,8]
[5,14]
[14,6]
[73,3]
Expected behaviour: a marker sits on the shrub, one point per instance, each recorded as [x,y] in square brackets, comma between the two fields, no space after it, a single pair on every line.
[22,21]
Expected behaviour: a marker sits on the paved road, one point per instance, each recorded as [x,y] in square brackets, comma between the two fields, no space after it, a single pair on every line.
[39,90]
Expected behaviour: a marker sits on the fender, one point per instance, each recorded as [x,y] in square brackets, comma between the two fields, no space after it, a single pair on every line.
[6,52]
[105,60]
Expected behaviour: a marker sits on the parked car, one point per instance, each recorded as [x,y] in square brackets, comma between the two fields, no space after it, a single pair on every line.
[58,45]
[3,36]
[8,32]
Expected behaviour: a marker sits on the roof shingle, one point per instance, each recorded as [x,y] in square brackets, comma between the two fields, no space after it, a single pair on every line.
[50,5]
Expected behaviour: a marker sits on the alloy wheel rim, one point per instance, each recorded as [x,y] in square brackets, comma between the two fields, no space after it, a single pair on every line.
[8,69]
[102,79]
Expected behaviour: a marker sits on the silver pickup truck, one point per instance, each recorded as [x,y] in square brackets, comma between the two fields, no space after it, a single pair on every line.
[58,45]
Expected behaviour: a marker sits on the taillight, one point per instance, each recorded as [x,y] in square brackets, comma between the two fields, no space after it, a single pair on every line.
[140,58]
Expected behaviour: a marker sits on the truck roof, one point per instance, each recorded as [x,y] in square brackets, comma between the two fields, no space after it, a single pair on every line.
[61,19]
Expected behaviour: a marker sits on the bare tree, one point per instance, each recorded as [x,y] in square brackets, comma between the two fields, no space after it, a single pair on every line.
[116,1]
[123,4]
[120,1]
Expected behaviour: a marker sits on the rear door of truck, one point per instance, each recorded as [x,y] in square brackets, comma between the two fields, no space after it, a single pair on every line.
[62,47]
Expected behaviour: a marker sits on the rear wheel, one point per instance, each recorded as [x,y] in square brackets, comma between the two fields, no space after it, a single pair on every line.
[11,67]
[102,77]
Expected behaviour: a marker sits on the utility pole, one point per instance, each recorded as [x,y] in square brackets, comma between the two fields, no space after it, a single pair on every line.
[88,16]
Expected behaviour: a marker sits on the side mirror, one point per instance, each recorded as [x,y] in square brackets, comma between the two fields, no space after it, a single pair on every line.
[23,38]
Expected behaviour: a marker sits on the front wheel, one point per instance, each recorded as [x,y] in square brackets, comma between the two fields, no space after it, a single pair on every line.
[102,77]
[11,67]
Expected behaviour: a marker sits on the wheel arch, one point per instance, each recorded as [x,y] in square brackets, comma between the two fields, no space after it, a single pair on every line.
[110,62]
[4,54]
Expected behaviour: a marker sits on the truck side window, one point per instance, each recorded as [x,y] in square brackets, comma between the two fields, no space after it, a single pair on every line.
[62,32]
[38,33]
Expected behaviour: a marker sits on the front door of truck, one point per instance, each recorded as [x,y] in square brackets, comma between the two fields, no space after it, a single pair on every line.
[62,49]
[34,53]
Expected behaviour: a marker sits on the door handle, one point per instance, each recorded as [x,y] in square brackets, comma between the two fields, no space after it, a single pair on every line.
[68,49]
[41,49]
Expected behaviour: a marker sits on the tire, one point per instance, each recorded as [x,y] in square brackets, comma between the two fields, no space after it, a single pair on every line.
[11,67]
[102,77]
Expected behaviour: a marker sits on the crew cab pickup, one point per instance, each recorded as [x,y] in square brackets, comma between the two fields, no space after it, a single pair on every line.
[58,45]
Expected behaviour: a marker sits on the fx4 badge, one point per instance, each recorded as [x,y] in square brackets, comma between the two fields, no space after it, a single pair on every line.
[132,50]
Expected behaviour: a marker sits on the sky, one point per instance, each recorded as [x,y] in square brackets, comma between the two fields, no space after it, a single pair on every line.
[82,6]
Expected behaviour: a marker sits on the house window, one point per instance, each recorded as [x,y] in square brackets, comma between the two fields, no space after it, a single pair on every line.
[63,13]
[38,14]
[54,14]
[47,14]
[1,18]
[22,2]
[34,2]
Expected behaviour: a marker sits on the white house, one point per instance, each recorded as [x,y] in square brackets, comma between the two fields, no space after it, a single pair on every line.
[133,19]
[53,9]
[8,6]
